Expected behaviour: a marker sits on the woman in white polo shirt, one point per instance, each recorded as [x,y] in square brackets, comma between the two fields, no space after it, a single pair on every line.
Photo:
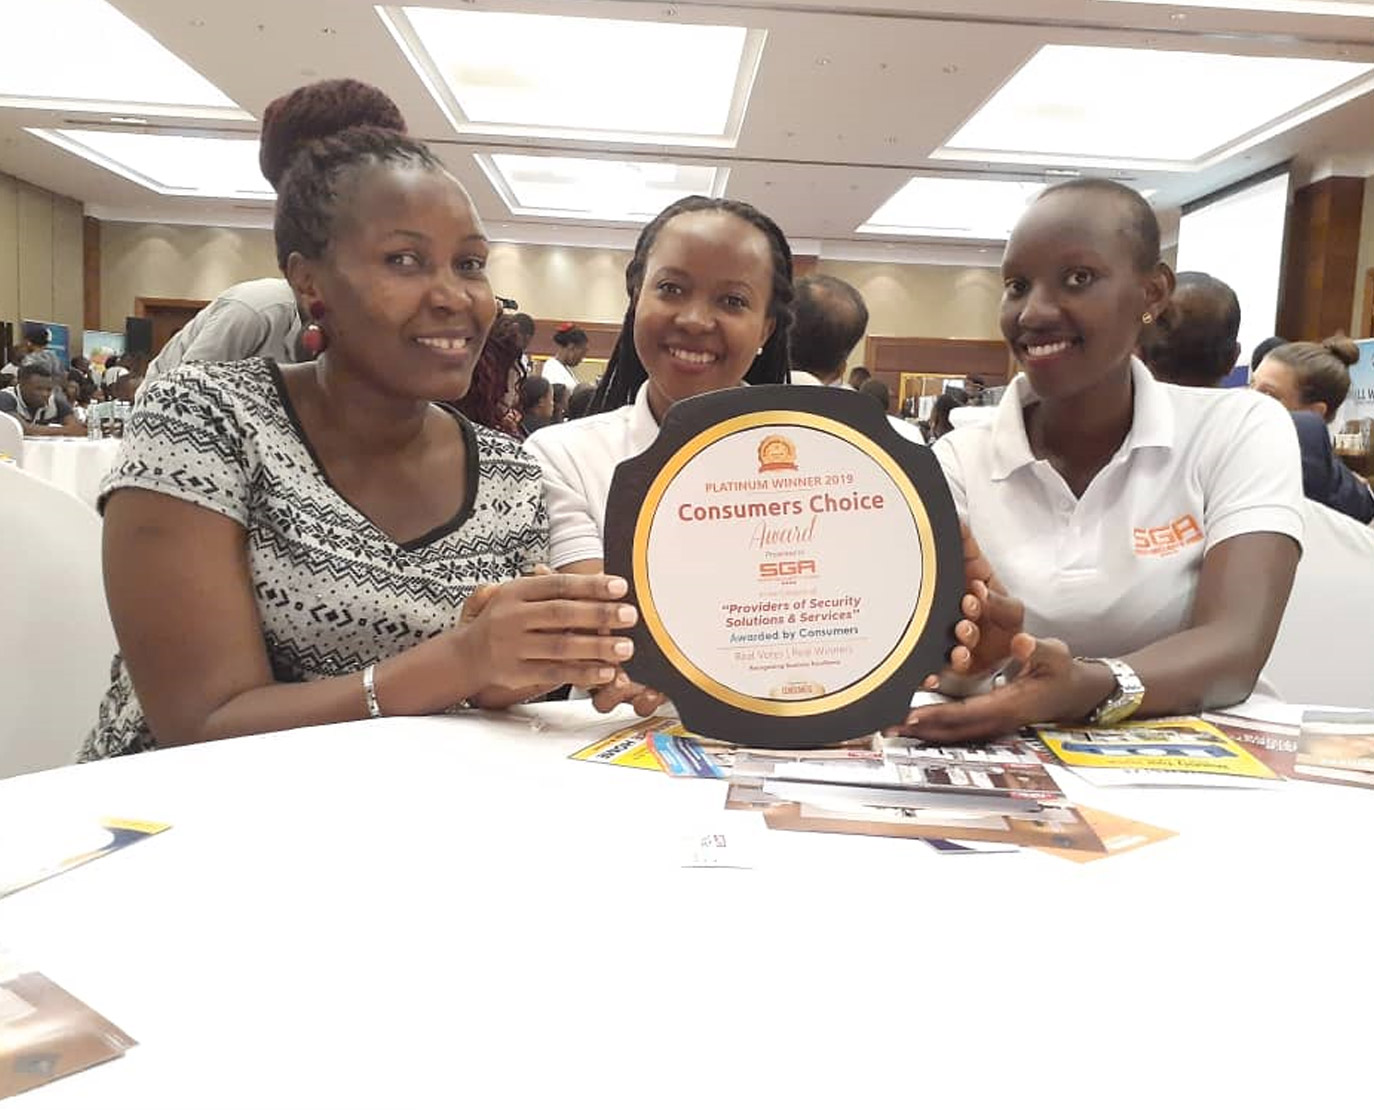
[1150,530]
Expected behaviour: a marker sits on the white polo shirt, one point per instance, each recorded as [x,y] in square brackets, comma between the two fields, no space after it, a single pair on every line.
[579,458]
[1117,569]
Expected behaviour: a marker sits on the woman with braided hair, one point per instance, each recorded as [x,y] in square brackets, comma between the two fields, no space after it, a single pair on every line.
[290,545]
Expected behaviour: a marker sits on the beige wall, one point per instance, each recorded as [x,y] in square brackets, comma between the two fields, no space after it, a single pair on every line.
[40,256]
[172,260]
[577,283]
[939,302]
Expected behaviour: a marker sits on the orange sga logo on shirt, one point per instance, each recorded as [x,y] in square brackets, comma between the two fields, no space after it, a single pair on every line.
[1168,539]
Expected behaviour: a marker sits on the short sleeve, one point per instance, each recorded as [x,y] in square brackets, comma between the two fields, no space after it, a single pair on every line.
[948,458]
[185,439]
[8,402]
[223,331]
[574,534]
[1254,480]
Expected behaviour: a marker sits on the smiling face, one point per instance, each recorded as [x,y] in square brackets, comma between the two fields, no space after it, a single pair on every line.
[404,283]
[1073,292]
[702,312]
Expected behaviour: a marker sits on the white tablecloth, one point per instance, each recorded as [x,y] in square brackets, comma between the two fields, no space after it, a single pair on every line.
[76,465]
[448,912]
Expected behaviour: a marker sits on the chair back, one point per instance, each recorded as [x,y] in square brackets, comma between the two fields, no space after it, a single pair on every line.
[1324,653]
[11,437]
[56,639]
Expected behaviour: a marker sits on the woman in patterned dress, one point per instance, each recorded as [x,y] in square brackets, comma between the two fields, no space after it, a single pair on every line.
[303,544]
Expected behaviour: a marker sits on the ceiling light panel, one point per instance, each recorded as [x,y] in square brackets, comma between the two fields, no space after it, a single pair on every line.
[1113,106]
[508,73]
[953,208]
[47,71]
[173,165]
[594,188]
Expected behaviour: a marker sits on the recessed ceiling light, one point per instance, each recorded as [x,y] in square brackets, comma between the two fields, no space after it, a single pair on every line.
[174,165]
[953,208]
[151,79]
[594,188]
[480,67]
[1042,113]
[1356,8]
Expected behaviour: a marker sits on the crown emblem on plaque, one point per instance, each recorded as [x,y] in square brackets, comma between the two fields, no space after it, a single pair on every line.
[777,453]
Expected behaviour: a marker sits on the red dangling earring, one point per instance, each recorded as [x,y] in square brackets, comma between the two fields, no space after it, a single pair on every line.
[314,341]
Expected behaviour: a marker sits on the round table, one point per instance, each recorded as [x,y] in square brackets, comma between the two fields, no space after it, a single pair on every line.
[76,465]
[449,912]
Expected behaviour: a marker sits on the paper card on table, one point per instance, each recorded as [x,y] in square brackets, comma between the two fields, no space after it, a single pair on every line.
[33,851]
[946,847]
[1170,751]
[1272,743]
[45,1033]
[1118,835]
[626,747]
[1336,747]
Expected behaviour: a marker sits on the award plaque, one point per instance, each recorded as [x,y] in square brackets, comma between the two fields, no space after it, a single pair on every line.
[796,563]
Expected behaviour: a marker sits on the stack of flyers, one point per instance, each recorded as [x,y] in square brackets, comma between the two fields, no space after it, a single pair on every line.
[665,744]
[45,1033]
[955,795]
[1171,751]
[1271,742]
[1336,746]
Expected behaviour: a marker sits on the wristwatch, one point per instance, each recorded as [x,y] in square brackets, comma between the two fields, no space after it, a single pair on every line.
[1121,702]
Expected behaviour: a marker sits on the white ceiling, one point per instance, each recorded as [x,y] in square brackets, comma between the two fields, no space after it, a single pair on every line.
[849,101]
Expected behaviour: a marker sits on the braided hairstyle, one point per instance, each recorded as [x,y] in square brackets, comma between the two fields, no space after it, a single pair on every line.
[316,112]
[318,185]
[625,372]
[484,402]
[314,199]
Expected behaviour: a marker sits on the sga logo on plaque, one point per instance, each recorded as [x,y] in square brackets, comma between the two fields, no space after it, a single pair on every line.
[796,562]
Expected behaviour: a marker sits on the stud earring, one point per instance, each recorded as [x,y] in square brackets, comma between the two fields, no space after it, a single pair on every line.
[758,352]
[1147,318]
[314,341]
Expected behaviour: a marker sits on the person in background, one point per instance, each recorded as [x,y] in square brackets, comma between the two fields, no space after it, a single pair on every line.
[1263,348]
[536,404]
[9,373]
[830,319]
[878,391]
[858,376]
[39,402]
[261,317]
[35,344]
[560,403]
[945,404]
[1194,341]
[81,369]
[580,400]
[303,544]
[1311,380]
[493,399]
[572,349]
[72,389]
[524,335]
[1149,533]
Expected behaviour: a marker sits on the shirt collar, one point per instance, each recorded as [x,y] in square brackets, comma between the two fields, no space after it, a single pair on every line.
[643,424]
[1152,421]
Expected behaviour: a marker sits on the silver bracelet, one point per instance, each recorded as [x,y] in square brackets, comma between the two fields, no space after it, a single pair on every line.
[370,690]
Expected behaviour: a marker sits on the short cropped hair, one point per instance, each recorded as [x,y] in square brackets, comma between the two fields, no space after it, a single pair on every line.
[829,319]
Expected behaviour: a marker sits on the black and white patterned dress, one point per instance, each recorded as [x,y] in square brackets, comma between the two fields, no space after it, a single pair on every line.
[334,592]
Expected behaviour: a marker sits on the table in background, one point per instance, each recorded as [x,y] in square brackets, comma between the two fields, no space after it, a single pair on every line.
[449,912]
[73,464]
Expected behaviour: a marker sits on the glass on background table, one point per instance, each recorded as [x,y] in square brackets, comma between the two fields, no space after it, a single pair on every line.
[448,911]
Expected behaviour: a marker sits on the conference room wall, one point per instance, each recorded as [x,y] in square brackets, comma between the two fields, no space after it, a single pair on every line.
[40,256]
[938,302]
[578,283]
